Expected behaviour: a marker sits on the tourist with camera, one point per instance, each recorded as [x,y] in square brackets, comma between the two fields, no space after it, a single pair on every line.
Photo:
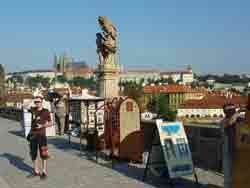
[41,120]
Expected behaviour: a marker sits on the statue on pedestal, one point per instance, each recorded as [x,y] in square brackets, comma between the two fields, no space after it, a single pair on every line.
[108,69]
[106,41]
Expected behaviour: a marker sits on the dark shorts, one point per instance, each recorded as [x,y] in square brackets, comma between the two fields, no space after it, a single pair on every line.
[39,142]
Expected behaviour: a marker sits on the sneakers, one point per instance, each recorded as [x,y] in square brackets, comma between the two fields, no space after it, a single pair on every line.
[43,176]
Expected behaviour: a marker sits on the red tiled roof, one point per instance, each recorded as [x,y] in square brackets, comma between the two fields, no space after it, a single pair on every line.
[79,72]
[171,88]
[83,70]
[209,102]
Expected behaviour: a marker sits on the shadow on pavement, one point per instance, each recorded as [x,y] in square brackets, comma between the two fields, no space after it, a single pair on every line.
[124,168]
[17,133]
[136,172]
[17,162]
[63,144]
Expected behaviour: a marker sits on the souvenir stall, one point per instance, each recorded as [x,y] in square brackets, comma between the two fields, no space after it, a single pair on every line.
[85,112]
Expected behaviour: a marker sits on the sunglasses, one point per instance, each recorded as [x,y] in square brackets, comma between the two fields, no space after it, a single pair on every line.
[37,102]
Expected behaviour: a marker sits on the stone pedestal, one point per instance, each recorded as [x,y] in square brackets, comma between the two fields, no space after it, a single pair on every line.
[108,79]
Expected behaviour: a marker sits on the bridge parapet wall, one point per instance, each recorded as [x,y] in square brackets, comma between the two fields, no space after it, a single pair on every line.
[11,113]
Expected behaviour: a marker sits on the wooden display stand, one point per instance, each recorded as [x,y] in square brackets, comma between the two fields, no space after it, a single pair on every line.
[122,130]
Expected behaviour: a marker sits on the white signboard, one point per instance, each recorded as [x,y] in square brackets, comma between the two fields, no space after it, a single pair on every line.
[147,116]
[175,147]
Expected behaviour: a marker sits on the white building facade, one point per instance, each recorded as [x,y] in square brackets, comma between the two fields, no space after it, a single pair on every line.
[200,112]
[184,77]
[34,73]
[138,75]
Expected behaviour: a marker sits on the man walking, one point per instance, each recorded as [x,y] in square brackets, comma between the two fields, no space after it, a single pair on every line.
[41,120]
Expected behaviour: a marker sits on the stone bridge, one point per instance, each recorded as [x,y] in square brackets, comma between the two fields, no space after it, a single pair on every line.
[68,169]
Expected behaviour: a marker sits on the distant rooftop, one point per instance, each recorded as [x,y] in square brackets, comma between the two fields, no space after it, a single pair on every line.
[171,88]
[213,102]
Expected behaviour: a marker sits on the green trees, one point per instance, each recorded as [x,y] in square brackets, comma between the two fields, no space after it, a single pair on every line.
[226,78]
[60,79]
[31,82]
[168,80]
[2,86]
[162,107]
[155,103]
[16,79]
[133,90]
[45,82]
[89,83]
[37,81]
[159,104]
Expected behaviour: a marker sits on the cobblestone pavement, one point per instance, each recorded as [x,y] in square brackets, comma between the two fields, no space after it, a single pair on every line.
[68,169]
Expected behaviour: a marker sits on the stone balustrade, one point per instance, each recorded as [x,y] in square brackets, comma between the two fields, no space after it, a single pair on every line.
[11,113]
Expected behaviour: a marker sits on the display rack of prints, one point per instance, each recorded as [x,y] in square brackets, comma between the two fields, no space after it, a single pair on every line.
[175,147]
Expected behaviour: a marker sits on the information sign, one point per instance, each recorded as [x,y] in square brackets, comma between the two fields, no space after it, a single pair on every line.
[175,148]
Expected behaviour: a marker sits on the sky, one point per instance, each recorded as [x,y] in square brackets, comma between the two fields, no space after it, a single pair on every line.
[213,36]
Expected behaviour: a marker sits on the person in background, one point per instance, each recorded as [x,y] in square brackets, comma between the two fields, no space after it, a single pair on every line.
[229,123]
[41,120]
[60,110]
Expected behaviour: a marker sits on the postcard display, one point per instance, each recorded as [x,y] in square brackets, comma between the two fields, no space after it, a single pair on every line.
[79,110]
[175,148]
[75,111]
[96,116]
